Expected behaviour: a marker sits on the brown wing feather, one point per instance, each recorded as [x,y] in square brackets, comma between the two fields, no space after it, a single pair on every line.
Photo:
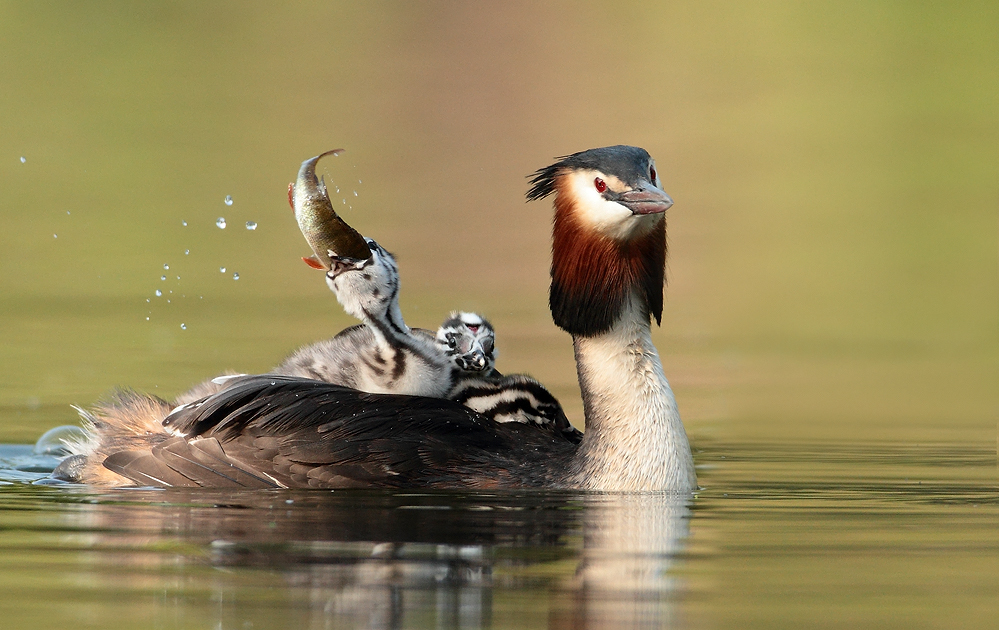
[303,433]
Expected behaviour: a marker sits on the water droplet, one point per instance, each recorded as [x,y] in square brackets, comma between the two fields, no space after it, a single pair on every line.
[168,301]
[147,299]
[221,223]
[158,293]
[166,266]
[337,188]
[178,277]
[251,225]
[222,269]
[184,223]
[147,319]
[235,276]
[228,200]
[358,181]
[23,160]
[187,252]
[162,277]
[183,326]
[355,193]
[67,212]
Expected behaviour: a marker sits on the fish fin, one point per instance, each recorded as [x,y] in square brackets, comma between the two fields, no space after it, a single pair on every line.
[313,262]
[291,195]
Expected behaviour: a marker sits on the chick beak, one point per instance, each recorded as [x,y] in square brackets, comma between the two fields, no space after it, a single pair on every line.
[647,198]
[475,361]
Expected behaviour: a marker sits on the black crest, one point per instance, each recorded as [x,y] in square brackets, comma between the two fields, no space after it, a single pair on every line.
[624,162]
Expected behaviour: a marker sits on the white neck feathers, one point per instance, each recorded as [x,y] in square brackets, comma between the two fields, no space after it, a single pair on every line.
[634,438]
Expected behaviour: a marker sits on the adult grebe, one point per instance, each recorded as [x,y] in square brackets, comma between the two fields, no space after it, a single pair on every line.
[608,260]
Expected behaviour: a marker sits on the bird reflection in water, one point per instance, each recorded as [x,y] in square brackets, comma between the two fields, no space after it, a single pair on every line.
[390,559]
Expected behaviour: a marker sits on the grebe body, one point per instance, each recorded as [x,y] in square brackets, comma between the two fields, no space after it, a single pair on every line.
[608,260]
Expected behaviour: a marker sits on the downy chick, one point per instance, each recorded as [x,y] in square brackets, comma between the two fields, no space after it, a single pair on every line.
[382,355]
[468,339]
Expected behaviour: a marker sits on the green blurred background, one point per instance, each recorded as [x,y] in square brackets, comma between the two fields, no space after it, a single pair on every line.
[833,264]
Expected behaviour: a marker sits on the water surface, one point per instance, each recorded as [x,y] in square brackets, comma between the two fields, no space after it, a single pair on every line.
[780,535]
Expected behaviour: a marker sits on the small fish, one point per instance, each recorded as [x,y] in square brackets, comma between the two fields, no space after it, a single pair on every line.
[326,232]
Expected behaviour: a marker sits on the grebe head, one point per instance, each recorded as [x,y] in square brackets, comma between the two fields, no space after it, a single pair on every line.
[469,340]
[609,236]
[365,288]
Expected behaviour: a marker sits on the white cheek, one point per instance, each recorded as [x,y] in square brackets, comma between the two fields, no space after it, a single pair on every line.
[606,217]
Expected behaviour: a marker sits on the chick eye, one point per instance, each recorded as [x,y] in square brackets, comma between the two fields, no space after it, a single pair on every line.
[451,341]
[652,174]
[600,184]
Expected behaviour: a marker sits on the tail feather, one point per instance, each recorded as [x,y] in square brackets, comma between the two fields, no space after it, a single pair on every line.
[129,413]
[204,462]
[88,442]
[144,469]
[126,442]
[126,421]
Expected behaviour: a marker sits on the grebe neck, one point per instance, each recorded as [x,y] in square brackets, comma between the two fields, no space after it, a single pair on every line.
[634,438]
[388,327]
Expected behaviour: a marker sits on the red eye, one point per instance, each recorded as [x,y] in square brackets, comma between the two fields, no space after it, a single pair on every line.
[600,184]
[652,174]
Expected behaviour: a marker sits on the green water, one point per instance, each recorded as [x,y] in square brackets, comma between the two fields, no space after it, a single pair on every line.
[831,326]
[790,534]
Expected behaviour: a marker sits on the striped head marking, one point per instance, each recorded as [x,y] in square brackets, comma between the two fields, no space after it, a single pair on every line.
[468,340]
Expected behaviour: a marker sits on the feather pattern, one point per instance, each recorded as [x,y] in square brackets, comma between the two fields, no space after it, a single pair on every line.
[273,431]
[593,276]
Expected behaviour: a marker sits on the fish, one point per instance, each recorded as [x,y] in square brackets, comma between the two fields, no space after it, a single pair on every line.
[327,234]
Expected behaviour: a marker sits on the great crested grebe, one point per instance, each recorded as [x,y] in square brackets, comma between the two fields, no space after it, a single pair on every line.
[469,340]
[382,355]
[608,261]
